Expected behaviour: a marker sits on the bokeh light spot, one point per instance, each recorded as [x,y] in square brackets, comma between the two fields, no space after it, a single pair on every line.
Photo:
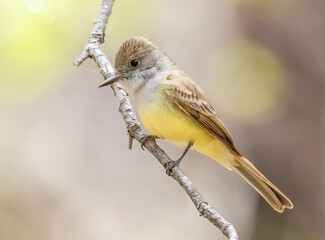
[249,80]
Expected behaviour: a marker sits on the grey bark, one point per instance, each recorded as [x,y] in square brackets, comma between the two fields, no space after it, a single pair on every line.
[92,50]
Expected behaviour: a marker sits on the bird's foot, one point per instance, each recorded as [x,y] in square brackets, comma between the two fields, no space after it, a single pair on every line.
[170,165]
[145,139]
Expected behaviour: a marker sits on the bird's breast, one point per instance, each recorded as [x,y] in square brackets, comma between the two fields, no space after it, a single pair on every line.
[166,120]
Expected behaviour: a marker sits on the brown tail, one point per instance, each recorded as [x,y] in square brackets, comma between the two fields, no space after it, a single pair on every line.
[268,191]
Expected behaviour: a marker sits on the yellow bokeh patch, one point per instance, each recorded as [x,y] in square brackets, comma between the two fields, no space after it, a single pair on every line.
[249,81]
[36,42]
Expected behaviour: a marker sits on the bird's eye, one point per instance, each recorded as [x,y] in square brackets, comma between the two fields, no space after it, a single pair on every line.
[134,62]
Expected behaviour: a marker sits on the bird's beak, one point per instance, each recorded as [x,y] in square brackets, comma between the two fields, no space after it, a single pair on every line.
[110,80]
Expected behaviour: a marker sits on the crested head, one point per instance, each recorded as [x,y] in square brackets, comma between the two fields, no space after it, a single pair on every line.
[133,48]
[138,60]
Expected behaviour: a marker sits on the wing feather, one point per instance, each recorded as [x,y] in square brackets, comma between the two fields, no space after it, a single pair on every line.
[188,96]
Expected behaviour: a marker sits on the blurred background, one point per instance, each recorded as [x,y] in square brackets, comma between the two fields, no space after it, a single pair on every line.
[65,170]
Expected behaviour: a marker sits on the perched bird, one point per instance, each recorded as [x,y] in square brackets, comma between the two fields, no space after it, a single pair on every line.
[173,107]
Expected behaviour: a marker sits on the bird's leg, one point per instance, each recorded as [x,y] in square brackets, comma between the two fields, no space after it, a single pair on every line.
[173,164]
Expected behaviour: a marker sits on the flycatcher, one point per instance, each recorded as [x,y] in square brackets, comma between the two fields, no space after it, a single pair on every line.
[173,107]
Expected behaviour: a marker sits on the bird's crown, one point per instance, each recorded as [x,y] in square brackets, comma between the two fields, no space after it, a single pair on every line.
[133,48]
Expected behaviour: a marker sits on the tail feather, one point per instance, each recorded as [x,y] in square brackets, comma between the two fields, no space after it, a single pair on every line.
[262,185]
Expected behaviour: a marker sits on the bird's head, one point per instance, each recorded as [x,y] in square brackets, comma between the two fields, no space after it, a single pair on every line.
[136,62]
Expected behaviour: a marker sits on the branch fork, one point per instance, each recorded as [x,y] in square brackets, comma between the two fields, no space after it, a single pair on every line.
[92,50]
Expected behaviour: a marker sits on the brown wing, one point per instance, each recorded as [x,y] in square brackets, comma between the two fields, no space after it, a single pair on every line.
[190,98]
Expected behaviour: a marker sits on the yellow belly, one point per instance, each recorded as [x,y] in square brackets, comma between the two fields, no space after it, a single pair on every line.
[167,121]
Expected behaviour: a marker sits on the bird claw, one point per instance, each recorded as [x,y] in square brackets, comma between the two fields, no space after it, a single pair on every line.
[170,165]
[145,139]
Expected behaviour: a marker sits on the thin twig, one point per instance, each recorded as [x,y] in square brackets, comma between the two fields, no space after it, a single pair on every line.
[92,50]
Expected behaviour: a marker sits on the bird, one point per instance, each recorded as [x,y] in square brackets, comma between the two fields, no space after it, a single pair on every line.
[173,107]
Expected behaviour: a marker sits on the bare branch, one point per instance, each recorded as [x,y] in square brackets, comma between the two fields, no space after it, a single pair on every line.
[92,50]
